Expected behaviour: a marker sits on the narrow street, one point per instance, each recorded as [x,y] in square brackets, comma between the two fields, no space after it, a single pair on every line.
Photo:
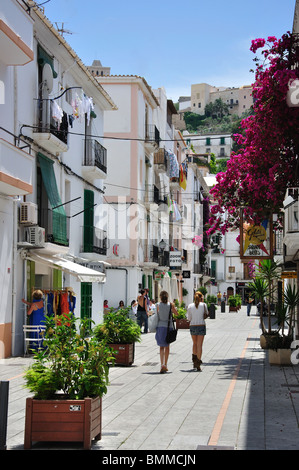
[237,402]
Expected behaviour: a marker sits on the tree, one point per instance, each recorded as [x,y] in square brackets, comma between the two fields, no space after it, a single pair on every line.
[257,176]
[218,109]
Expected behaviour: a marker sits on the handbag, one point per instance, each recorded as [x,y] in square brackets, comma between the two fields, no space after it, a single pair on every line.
[153,322]
[171,334]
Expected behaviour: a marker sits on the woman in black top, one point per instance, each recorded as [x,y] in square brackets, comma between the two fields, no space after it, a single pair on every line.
[142,310]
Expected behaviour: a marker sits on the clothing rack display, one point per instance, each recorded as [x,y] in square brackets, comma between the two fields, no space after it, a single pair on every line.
[59,301]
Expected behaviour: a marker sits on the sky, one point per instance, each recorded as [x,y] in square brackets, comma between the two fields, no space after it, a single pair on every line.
[172,43]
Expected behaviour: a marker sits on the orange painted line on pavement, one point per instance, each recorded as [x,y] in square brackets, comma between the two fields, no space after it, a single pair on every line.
[222,413]
[15,377]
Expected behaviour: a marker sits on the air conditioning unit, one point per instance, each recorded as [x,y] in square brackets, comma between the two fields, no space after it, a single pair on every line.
[35,235]
[28,213]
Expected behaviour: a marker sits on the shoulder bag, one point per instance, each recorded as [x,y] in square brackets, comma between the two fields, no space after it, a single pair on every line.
[171,334]
[153,322]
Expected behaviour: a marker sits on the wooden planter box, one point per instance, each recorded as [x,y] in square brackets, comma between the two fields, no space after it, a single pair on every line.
[233,309]
[281,357]
[63,420]
[125,353]
[182,323]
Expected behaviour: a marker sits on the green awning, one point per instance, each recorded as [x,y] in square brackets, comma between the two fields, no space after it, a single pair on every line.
[59,225]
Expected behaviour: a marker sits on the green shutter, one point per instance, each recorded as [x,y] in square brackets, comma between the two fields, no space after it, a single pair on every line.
[86,299]
[213,268]
[222,140]
[44,58]
[58,213]
[150,286]
[88,221]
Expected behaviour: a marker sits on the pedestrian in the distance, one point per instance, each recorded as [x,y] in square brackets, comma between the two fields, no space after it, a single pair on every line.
[249,303]
[164,308]
[142,314]
[197,312]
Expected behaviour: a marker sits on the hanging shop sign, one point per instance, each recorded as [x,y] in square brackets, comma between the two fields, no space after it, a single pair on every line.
[175,259]
[256,241]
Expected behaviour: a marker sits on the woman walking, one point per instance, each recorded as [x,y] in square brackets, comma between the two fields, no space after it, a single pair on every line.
[197,312]
[164,309]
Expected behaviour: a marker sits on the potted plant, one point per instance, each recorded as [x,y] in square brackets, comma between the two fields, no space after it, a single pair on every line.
[120,332]
[263,288]
[68,379]
[181,318]
[269,271]
[279,344]
[232,302]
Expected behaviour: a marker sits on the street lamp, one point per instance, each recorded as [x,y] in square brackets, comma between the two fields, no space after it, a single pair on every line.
[162,245]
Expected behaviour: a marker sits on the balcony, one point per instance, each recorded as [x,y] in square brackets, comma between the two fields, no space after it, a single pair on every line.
[160,161]
[94,243]
[15,35]
[152,137]
[94,164]
[56,224]
[51,134]
[152,196]
[16,165]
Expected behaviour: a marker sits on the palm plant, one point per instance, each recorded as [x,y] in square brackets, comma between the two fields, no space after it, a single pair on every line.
[269,271]
[291,300]
[259,289]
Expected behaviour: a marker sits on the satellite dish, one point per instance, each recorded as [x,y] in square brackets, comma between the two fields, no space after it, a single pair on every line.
[47,77]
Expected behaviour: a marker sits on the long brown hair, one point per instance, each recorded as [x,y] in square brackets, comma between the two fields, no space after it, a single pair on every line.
[198,297]
[164,296]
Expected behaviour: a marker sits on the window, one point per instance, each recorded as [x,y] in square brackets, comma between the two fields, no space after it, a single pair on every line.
[208,141]
[222,140]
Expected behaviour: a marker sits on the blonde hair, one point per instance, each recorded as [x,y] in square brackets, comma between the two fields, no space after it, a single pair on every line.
[164,296]
[37,294]
[198,297]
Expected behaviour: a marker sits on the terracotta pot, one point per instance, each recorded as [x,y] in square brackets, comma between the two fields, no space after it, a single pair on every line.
[182,323]
[125,353]
[233,309]
[63,420]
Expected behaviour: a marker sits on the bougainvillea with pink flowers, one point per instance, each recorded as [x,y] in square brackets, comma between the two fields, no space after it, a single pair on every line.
[258,175]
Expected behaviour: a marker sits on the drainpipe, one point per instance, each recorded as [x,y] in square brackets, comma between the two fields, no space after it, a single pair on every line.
[14,273]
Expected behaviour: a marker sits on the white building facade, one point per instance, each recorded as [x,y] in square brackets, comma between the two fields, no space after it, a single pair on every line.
[54,240]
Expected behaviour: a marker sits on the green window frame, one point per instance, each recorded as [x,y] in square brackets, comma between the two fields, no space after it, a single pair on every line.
[88,229]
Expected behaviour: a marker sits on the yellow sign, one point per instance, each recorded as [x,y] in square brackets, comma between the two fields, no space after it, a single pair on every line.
[255,235]
[289,275]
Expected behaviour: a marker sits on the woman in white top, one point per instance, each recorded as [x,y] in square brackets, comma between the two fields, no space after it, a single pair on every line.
[196,314]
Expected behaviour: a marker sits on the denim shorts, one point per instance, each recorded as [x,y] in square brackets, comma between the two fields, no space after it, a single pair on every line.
[198,330]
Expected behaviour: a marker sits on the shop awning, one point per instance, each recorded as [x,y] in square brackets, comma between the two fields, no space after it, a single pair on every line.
[82,273]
